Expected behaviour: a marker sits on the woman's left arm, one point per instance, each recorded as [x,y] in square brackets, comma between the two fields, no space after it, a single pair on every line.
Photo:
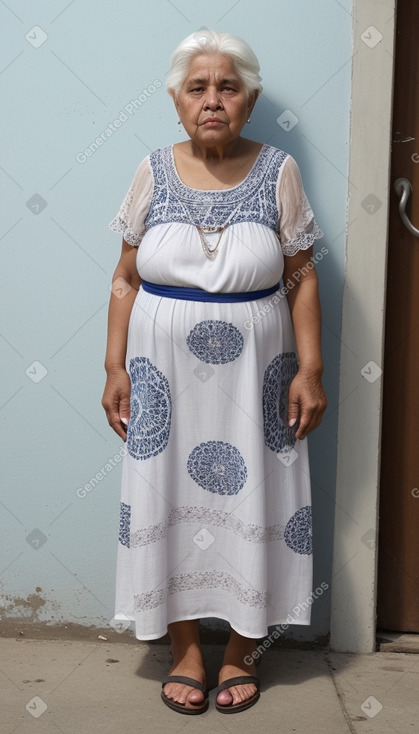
[306,398]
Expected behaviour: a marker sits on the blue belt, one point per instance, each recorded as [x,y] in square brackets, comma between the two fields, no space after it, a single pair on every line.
[197,294]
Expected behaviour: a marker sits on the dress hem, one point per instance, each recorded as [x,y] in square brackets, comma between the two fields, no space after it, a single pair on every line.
[217,615]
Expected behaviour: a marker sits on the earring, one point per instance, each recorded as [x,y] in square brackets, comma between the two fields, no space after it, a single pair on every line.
[249,120]
[179,122]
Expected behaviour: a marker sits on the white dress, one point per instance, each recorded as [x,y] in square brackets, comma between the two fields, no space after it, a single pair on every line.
[215,506]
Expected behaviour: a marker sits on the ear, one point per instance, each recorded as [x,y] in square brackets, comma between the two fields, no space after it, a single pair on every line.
[254,94]
[174,97]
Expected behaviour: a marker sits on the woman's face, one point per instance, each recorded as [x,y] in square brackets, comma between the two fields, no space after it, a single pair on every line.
[213,103]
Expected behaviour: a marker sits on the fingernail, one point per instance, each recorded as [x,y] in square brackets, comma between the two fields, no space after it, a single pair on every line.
[292,422]
[124,421]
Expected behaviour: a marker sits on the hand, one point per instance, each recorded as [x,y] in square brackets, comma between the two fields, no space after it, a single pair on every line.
[115,400]
[306,402]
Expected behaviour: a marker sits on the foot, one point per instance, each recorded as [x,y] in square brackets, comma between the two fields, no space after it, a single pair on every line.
[190,697]
[187,661]
[234,664]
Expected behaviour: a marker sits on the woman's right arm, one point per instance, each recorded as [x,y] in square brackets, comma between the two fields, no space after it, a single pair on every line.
[116,394]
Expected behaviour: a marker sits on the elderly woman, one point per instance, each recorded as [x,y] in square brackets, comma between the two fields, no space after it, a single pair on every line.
[214,380]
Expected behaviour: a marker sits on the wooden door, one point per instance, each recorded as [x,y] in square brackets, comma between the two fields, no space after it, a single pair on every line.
[398,565]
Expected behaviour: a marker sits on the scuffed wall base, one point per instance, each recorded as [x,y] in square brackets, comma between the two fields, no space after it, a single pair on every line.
[24,629]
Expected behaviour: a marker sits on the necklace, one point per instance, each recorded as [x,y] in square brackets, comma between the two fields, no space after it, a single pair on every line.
[208,229]
[203,229]
[210,252]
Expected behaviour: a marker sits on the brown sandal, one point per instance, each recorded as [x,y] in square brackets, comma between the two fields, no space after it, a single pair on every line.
[201,707]
[237,681]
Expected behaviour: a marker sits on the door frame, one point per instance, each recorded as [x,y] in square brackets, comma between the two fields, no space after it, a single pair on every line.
[355,551]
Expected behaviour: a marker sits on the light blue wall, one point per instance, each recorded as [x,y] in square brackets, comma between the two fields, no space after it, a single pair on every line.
[57,261]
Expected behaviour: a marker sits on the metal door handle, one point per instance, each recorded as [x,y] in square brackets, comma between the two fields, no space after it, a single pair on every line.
[403,189]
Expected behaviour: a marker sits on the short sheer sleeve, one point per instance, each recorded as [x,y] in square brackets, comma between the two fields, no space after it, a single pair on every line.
[297,227]
[134,208]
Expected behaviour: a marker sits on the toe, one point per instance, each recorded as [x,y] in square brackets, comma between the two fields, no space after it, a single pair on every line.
[225,697]
[176,692]
[243,692]
[195,696]
[236,694]
[183,694]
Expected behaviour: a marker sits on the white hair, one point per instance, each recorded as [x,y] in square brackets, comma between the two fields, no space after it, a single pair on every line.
[212,42]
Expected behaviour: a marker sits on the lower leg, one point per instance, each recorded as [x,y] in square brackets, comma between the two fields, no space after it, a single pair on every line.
[236,662]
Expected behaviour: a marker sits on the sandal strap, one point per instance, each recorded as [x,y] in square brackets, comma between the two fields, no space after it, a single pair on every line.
[184,679]
[239,680]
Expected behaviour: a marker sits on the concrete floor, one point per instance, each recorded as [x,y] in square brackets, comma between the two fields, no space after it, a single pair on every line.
[81,687]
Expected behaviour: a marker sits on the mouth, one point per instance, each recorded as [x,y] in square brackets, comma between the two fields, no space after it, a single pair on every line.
[212,121]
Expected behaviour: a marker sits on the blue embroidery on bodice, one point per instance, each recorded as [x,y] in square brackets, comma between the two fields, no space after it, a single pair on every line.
[253,200]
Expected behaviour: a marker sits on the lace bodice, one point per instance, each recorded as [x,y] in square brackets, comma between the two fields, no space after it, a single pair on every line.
[253,200]
[272,195]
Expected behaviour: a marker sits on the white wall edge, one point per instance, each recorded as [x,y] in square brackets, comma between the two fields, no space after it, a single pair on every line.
[354,575]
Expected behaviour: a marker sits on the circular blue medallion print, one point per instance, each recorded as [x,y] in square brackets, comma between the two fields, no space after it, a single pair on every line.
[215,342]
[218,467]
[298,532]
[151,410]
[276,382]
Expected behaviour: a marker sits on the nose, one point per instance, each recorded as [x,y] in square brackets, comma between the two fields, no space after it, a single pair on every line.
[212,101]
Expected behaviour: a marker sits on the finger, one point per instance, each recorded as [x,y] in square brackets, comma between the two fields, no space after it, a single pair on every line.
[293,408]
[317,415]
[119,429]
[303,429]
[307,422]
[114,421]
[310,420]
[124,410]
